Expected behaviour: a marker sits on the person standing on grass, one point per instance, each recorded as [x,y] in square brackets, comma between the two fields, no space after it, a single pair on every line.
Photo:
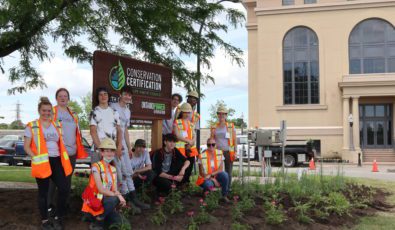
[71,136]
[50,161]
[127,187]
[224,134]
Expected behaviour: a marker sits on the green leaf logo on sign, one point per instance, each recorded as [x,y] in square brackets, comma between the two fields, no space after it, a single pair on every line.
[117,77]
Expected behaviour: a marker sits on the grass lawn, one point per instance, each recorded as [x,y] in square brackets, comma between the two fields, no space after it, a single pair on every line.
[382,220]
[16,174]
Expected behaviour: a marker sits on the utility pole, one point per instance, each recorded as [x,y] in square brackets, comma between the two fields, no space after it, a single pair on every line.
[18,111]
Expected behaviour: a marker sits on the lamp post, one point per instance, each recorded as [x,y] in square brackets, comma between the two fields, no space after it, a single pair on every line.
[351,121]
[198,63]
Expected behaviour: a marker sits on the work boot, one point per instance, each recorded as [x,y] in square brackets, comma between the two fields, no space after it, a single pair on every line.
[137,202]
[47,225]
[96,225]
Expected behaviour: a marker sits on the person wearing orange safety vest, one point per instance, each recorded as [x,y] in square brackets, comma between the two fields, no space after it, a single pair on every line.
[50,161]
[71,136]
[183,129]
[224,134]
[103,184]
[194,117]
[211,172]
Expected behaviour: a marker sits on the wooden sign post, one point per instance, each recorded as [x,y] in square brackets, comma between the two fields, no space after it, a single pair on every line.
[151,86]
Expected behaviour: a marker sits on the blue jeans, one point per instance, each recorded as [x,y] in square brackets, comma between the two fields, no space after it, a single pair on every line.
[223,180]
[110,215]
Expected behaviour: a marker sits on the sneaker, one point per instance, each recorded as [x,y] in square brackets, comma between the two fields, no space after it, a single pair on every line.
[47,225]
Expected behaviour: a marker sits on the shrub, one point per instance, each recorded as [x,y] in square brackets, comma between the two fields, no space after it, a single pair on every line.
[239,226]
[302,212]
[337,203]
[274,214]
[173,202]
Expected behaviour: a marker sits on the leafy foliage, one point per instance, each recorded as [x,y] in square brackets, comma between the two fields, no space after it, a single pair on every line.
[159,31]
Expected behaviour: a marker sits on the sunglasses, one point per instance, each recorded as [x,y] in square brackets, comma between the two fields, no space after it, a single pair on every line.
[210,144]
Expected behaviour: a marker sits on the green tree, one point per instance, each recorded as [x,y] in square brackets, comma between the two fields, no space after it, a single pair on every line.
[159,31]
[16,125]
[213,112]
[82,110]
[3,126]
[238,122]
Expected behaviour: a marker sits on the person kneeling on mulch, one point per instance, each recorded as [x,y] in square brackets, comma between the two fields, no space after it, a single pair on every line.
[211,172]
[169,166]
[101,196]
[141,164]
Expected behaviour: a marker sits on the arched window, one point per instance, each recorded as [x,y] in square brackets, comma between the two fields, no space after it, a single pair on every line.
[372,47]
[301,67]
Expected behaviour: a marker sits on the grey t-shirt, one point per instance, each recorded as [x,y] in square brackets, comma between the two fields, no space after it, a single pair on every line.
[109,177]
[167,125]
[221,138]
[69,131]
[51,138]
[106,121]
[124,117]
[167,162]
[140,161]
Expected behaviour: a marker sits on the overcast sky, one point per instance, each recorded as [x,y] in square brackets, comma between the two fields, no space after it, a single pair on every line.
[230,80]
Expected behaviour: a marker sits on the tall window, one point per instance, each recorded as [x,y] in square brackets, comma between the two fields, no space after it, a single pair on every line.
[288,2]
[301,67]
[372,47]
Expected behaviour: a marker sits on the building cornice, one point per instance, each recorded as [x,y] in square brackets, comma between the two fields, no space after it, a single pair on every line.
[367,80]
[307,8]
[252,26]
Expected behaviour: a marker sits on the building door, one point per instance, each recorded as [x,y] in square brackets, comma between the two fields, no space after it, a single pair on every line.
[376,126]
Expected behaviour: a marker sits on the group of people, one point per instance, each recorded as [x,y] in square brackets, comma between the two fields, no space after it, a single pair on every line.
[118,168]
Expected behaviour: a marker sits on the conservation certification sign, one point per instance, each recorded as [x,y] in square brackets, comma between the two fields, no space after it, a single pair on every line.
[151,85]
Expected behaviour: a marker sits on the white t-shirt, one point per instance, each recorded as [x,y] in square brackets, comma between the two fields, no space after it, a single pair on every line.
[106,121]
[124,116]
[51,138]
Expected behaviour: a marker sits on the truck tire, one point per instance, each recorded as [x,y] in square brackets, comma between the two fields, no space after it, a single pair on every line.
[289,160]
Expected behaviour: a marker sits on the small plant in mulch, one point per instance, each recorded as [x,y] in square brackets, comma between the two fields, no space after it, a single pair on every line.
[212,199]
[143,195]
[159,217]
[80,182]
[124,213]
[193,225]
[203,216]
[239,226]
[302,212]
[274,213]
[173,202]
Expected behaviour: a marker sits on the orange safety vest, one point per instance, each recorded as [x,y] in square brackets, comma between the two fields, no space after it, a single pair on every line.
[183,125]
[231,140]
[206,164]
[103,175]
[40,162]
[81,153]
[195,116]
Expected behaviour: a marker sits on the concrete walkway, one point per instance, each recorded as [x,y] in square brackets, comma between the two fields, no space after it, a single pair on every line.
[386,172]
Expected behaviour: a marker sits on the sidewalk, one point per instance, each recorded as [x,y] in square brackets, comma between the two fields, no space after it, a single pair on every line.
[17,185]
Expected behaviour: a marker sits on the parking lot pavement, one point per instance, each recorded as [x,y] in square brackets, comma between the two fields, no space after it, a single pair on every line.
[386,172]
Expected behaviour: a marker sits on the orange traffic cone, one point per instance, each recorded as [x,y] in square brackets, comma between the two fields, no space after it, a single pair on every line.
[312,164]
[375,166]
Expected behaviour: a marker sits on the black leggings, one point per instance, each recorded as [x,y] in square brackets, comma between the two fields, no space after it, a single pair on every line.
[61,182]
[188,171]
